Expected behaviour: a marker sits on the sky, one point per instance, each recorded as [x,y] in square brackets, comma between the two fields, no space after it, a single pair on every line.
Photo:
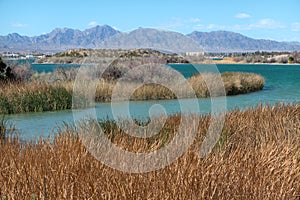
[260,19]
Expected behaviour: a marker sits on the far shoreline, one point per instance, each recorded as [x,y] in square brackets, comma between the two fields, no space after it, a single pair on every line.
[227,63]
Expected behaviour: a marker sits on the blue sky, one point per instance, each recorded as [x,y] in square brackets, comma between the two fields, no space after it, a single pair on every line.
[276,19]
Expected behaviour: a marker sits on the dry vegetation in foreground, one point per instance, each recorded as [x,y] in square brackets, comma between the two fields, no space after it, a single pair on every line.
[257,157]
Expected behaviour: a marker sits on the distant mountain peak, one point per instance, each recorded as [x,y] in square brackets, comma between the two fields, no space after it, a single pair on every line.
[105,36]
[153,39]
[227,41]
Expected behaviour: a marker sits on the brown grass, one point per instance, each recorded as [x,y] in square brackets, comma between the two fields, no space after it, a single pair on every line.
[257,157]
[241,83]
[234,83]
[37,96]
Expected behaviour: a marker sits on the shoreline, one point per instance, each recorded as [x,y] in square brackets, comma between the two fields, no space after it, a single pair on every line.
[257,63]
[230,60]
[227,63]
[212,62]
[42,96]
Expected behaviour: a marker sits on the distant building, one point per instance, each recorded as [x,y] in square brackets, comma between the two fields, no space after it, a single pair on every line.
[41,56]
[195,53]
[10,55]
[29,57]
[216,58]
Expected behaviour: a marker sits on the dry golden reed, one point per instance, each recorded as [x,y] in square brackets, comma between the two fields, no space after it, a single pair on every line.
[257,157]
[38,96]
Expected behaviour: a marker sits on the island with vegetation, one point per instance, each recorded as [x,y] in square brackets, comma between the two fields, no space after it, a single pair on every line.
[77,56]
[27,91]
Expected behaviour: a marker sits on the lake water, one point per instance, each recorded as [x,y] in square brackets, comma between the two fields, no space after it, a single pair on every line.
[51,67]
[282,84]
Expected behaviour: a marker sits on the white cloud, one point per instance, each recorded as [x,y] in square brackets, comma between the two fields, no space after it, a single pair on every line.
[215,26]
[296,26]
[210,27]
[194,20]
[93,23]
[267,24]
[19,25]
[242,15]
[199,26]
[173,23]
[240,27]
[261,24]
[179,22]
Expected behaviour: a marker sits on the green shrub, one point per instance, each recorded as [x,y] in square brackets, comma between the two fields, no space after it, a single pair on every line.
[6,73]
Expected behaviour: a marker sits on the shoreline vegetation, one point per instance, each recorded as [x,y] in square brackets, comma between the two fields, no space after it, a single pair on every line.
[256,157]
[77,56]
[38,96]
[28,91]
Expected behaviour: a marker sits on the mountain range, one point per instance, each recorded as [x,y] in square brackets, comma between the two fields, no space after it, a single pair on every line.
[106,37]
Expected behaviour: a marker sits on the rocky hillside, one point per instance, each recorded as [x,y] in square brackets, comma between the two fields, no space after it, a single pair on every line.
[106,37]
[58,40]
[168,41]
[225,41]
[80,55]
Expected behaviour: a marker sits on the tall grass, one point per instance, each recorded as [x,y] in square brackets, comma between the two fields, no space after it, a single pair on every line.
[234,83]
[3,131]
[33,97]
[257,157]
[7,130]
[38,96]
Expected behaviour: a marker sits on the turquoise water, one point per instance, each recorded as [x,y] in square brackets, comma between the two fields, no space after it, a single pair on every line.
[51,67]
[282,84]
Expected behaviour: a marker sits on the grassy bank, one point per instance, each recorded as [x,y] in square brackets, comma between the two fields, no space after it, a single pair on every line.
[38,96]
[257,157]
[33,97]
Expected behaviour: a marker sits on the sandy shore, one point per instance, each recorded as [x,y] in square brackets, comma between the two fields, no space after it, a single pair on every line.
[230,60]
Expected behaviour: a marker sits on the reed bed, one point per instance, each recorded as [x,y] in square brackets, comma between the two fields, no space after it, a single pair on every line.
[257,157]
[38,96]
[33,97]
[234,83]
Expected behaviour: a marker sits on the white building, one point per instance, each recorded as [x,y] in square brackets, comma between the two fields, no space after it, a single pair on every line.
[10,55]
[195,53]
